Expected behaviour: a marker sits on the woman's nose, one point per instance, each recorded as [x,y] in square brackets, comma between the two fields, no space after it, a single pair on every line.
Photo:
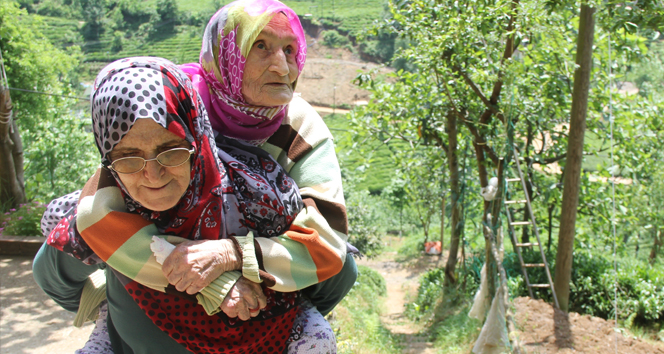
[279,63]
[153,170]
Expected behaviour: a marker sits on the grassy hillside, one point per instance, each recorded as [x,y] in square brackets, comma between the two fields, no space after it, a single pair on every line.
[181,45]
[377,167]
[351,15]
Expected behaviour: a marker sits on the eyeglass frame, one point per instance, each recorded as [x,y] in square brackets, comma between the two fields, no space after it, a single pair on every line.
[109,165]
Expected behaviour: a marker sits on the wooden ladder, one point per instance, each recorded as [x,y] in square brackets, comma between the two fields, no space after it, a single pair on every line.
[515,241]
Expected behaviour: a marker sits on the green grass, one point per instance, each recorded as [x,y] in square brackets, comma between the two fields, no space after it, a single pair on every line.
[451,328]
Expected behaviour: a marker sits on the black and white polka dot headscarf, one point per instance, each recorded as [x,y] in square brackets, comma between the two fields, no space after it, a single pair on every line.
[144,87]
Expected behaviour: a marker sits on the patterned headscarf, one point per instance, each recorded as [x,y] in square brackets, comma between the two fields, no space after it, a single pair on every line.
[227,40]
[154,88]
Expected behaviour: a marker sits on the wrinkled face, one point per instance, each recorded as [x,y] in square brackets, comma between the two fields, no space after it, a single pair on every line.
[156,187]
[271,69]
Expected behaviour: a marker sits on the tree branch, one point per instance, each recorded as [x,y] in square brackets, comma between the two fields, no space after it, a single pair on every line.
[481,142]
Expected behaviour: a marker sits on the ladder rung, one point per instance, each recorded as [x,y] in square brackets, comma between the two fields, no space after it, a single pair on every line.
[513,179]
[515,201]
[527,244]
[539,285]
[520,223]
[534,265]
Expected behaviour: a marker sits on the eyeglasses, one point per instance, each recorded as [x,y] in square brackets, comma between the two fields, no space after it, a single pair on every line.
[169,158]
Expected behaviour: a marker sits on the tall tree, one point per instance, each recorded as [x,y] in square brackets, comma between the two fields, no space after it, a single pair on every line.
[572,174]
[43,129]
[12,190]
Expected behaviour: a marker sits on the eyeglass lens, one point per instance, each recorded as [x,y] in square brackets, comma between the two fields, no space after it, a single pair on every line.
[169,158]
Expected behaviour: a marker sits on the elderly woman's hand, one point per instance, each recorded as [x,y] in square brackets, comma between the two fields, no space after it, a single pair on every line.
[245,300]
[193,265]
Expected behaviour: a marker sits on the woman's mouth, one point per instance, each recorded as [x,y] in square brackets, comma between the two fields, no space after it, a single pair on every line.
[156,189]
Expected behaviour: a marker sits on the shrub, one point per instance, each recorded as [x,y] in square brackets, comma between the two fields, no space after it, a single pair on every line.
[361,232]
[24,221]
[118,42]
[332,38]
[54,172]
[428,294]
[363,213]
[56,8]
[379,49]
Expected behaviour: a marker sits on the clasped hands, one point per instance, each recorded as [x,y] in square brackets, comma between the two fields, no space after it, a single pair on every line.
[193,265]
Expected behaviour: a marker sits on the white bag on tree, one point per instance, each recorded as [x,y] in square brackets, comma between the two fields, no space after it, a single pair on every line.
[493,339]
[481,300]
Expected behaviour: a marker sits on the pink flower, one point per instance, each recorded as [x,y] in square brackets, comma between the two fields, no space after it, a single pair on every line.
[7,213]
[12,210]
[20,218]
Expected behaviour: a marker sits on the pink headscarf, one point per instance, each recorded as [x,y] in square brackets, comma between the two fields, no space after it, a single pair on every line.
[227,40]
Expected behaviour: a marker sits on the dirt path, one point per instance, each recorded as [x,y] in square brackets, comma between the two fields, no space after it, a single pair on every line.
[402,283]
[30,322]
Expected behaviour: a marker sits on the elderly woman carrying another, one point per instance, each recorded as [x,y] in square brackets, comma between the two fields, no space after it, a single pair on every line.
[165,169]
[253,52]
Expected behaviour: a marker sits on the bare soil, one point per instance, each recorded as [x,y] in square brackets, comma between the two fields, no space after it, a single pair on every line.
[30,322]
[543,330]
[329,74]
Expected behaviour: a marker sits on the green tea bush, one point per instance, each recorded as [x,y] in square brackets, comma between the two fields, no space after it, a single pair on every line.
[24,221]
[428,294]
[640,291]
[332,38]
[361,230]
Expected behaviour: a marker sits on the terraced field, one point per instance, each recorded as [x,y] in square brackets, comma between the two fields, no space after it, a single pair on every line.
[183,44]
[381,167]
[353,16]
[181,47]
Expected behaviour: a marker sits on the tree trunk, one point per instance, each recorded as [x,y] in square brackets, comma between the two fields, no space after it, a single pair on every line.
[401,220]
[636,250]
[655,246]
[442,223]
[548,243]
[12,192]
[455,225]
[572,173]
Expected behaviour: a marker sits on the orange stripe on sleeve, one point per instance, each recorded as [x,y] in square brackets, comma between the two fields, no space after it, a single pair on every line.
[326,259]
[112,231]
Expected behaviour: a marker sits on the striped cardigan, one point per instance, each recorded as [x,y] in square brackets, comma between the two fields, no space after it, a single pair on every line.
[311,251]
